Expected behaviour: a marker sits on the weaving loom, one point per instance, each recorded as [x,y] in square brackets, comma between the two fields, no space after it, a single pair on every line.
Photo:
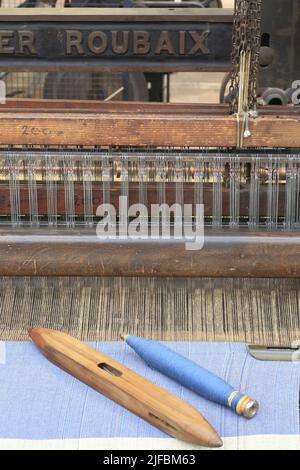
[58,165]
[240,160]
[61,159]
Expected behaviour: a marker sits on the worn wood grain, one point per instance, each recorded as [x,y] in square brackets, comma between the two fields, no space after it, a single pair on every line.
[23,105]
[226,253]
[145,129]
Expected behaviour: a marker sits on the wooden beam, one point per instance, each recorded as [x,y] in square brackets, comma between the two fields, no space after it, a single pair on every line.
[224,15]
[39,105]
[146,128]
[226,253]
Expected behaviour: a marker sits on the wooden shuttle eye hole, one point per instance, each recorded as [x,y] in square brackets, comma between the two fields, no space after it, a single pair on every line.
[111,370]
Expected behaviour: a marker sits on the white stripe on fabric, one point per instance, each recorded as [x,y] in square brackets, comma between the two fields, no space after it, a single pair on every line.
[259,442]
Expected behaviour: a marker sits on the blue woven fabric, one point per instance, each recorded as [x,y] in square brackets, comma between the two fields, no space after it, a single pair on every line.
[39,401]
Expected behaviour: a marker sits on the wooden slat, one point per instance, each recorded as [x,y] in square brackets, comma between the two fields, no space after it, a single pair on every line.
[23,105]
[145,129]
[117,14]
[226,253]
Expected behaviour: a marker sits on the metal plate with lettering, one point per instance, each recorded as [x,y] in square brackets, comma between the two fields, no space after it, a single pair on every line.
[126,39]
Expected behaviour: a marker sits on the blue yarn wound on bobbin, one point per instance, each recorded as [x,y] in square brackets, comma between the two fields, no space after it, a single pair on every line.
[184,371]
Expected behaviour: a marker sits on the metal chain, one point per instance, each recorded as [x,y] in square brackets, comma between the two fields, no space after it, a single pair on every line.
[245,38]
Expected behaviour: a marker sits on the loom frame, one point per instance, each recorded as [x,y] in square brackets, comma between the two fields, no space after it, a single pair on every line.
[65,252]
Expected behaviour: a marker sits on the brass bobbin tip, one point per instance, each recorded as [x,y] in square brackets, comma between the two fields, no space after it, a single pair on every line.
[123,336]
[247,407]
